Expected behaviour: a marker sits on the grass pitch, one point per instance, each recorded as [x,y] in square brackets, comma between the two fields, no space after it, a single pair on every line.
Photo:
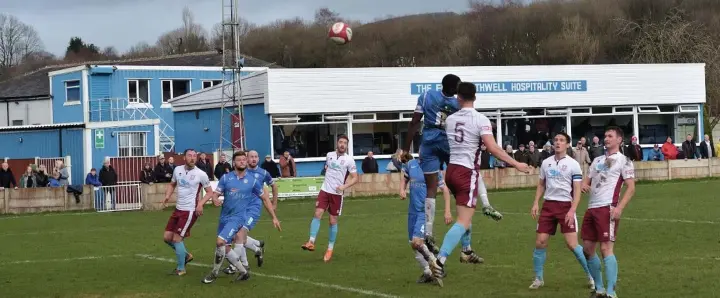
[667,247]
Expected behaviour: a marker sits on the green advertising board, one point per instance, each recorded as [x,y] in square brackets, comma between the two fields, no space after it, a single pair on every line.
[299,187]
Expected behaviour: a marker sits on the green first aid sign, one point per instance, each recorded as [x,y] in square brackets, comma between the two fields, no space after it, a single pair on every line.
[100,138]
[299,187]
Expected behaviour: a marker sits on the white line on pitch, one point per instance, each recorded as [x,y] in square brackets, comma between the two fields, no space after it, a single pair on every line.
[62,260]
[703,259]
[289,278]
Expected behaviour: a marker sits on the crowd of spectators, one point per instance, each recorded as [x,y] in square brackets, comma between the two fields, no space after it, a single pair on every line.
[35,176]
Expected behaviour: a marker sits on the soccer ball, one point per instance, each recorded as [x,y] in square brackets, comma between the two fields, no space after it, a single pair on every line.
[340,33]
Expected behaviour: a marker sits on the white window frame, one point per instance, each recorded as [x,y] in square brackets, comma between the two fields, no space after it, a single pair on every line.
[73,87]
[213,83]
[172,89]
[130,146]
[135,101]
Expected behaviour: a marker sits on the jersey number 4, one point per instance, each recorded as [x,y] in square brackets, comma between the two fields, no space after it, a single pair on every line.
[459,132]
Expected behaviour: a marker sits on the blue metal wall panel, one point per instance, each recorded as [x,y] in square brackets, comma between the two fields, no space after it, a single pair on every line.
[200,130]
[111,143]
[29,144]
[63,113]
[99,88]
[72,145]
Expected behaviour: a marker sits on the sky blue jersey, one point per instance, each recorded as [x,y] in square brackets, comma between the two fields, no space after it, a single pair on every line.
[435,107]
[240,192]
[262,175]
[418,190]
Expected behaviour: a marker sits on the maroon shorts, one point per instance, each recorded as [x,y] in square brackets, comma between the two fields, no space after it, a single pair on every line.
[552,214]
[181,222]
[462,183]
[330,202]
[598,227]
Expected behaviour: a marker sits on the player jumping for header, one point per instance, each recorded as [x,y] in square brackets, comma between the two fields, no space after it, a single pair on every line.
[240,212]
[433,107]
[560,181]
[605,178]
[466,130]
[187,179]
[417,225]
[257,246]
[339,165]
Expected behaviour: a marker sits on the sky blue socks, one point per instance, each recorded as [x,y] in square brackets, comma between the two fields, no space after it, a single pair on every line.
[180,253]
[333,236]
[578,251]
[452,238]
[539,255]
[596,272]
[314,228]
[611,273]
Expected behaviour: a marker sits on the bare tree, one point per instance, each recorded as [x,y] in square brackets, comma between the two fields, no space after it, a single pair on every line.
[574,44]
[244,27]
[677,40]
[110,53]
[191,37]
[326,17]
[17,40]
[142,50]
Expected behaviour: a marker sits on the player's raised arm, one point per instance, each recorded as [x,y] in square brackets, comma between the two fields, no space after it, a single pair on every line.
[414,124]
[495,150]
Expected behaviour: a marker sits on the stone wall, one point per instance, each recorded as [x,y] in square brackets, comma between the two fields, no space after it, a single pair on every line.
[36,200]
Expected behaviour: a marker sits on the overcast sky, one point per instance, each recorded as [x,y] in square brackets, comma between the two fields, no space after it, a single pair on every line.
[123,23]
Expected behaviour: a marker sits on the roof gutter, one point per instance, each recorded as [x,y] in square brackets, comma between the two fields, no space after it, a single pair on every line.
[25,98]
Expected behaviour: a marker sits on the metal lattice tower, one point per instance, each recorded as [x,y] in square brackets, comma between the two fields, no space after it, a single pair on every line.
[232,114]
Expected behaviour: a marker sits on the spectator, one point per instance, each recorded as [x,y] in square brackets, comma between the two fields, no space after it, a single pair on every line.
[547,152]
[64,174]
[271,167]
[656,154]
[54,181]
[146,175]
[171,162]
[6,177]
[521,154]
[484,158]
[108,176]
[287,165]
[689,148]
[596,149]
[707,148]
[395,164]
[634,151]
[28,179]
[534,155]
[163,171]
[222,167]
[583,143]
[669,150]
[204,164]
[92,178]
[501,164]
[41,176]
[582,156]
[369,164]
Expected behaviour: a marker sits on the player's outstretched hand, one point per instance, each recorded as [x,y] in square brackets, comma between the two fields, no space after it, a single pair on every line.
[164,203]
[276,224]
[523,167]
[535,211]
[199,209]
[403,194]
[448,217]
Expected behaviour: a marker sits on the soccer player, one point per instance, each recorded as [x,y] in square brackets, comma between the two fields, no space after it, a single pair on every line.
[257,246]
[240,212]
[560,182]
[187,179]
[605,178]
[417,224]
[433,107]
[466,129]
[339,166]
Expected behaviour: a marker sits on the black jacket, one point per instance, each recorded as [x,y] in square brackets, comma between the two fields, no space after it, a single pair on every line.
[690,149]
[161,171]
[484,160]
[206,167]
[272,168]
[108,177]
[595,151]
[634,152]
[221,168]
[369,165]
[42,179]
[7,179]
[147,176]
[704,149]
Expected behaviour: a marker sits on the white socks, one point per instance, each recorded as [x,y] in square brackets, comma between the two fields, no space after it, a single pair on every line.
[482,190]
[422,262]
[252,244]
[429,215]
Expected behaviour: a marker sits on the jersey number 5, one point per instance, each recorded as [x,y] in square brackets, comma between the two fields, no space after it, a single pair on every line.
[459,132]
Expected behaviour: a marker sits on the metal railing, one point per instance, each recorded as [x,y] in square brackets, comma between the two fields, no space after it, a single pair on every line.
[122,197]
[124,109]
